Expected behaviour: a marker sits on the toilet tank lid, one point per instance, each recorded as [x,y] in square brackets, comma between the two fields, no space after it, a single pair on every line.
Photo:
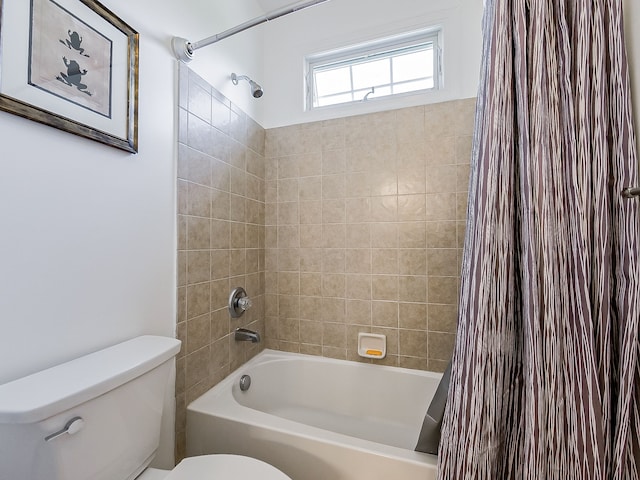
[39,396]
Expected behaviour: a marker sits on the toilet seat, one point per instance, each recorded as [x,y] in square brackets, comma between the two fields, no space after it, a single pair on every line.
[225,467]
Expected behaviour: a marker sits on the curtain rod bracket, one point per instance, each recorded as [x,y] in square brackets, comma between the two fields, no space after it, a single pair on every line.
[182,49]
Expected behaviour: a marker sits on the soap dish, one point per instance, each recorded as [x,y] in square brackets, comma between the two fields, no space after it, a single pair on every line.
[371,345]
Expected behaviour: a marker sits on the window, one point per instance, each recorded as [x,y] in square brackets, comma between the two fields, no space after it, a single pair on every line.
[393,66]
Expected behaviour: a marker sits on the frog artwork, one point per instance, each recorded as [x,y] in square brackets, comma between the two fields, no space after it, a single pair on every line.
[74,42]
[74,75]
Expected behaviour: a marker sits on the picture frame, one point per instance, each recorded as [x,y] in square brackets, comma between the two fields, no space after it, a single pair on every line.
[72,65]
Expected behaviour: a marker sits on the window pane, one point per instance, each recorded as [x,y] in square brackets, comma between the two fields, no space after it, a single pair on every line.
[380,92]
[413,86]
[393,66]
[372,73]
[334,99]
[413,65]
[329,82]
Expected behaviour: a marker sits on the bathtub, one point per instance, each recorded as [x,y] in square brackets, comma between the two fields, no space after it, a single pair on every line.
[316,418]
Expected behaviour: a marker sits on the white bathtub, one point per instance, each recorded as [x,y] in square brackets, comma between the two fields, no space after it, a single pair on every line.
[318,419]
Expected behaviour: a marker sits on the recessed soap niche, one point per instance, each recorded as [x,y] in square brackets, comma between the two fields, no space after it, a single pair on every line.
[371,345]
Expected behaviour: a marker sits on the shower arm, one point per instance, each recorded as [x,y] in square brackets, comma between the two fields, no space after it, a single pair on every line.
[183,49]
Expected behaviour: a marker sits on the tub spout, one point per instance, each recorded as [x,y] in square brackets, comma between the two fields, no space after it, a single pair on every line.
[245,335]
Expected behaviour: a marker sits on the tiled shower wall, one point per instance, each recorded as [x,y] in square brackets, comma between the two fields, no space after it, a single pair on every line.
[220,238]
[365,219]
[333,228]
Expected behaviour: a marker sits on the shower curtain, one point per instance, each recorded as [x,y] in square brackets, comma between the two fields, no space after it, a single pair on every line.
[545,381]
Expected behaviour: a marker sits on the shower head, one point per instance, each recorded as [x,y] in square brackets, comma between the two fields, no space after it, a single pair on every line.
[256,90]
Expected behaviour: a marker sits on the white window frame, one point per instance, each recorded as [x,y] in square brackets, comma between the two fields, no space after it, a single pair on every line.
[355,54]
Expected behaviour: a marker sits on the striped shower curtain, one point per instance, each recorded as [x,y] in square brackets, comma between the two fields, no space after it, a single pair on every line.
[546,380]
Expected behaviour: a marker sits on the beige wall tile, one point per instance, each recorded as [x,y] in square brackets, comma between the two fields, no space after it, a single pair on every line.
[310,212]
[311,284]
[198,233]
[311,259]
[333,260]
[288,213]
[412,316]
[199,200]
[333,211]
[237,208]
[358,312]
[442,318]
[311,332]
[358,260]
[359,235]
[198,266]
[181,267]
[333,186]
[311,308]
[384,287]
[333,285]
[289,283]
[441,345]
[442,179]
[289,167]
[310,164]
[334,235]
[384,314]
[310,188]
[413,362]
[333,161]
[412,208]
[412,261]
[358,286]
[288,236]
[288,259]
[227,249]
[358,185]
[384,235]
[384,261]
[384,209]
[333,309]
[381,204]
[412,289]
[198,333]
[413,343]
[443,290]
[440,151]
[442,234]
[334,335]
[412,180]
[197,367]
[411,235]
[198,300]
[289,329]
[288,190]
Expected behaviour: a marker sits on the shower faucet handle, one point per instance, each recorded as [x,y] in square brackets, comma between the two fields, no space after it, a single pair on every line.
[239,302]
[245,303]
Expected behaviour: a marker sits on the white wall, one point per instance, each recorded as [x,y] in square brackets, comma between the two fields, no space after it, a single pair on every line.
[340,23]
[87,232]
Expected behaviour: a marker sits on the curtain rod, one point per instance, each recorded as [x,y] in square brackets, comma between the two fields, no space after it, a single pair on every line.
[183,49]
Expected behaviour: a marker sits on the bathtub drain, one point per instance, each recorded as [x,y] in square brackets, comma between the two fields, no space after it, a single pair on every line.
[245,382]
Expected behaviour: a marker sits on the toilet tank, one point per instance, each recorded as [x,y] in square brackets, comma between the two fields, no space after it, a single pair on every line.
[111,401]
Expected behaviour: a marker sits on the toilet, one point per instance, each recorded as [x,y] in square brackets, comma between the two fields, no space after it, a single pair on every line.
[98,418]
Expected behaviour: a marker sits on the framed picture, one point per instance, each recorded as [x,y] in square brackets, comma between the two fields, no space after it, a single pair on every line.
[73,65]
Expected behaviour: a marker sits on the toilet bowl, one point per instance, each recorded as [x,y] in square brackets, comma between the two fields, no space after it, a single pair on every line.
[98,418]
[217,467]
